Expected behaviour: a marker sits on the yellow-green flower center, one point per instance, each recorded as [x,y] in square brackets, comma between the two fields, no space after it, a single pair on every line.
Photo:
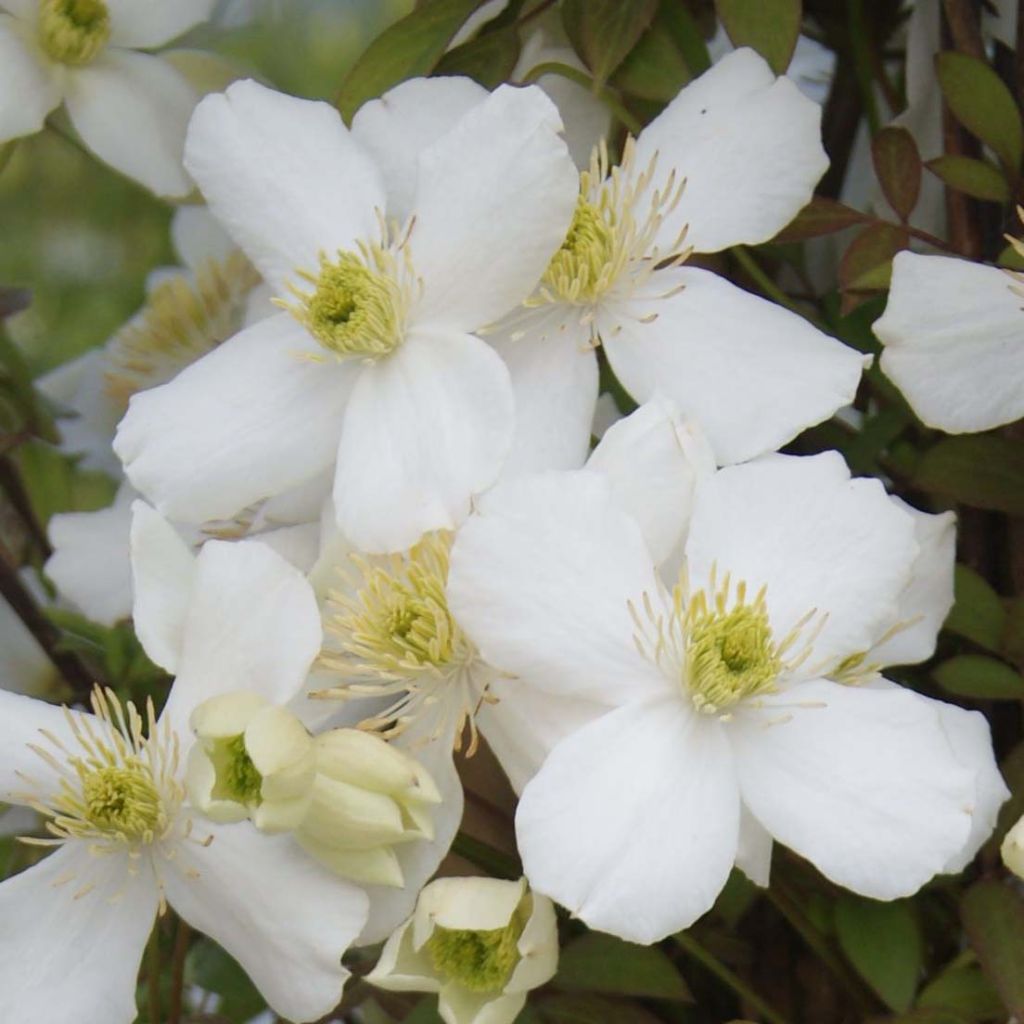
[357,306]
[73,31]
[121,800]
[585,265]
[236,777]
[481,961]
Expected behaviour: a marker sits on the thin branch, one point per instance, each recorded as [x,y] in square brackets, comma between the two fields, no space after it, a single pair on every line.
[17,495]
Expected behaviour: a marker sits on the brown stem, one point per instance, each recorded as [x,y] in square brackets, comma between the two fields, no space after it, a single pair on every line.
[12,486]
[962,18]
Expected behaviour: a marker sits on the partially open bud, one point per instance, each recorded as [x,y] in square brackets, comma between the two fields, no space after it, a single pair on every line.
[480,943]
[252,759]
[1013,849]
[366,797]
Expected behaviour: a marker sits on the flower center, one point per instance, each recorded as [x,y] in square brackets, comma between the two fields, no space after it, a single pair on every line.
[236,776]
[181,321]
[358,302]
[585,266]
[481,961]
[120,787]
[73,31]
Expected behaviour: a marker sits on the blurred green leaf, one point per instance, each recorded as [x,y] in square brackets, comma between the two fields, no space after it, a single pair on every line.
[964,989]
[424,1012]
[981,677]
[209,967]
[993,916]
[13,300]
[1012,770]
[602,963]
[411,47]
[604,31]
[898,168]
[977,612]
[883,942]
[587,1009]
[655,69]
[819,217]
[983,470]
[977,178]
[980,101]
[1012,644]
[488,59]
[867,263]
[769,26]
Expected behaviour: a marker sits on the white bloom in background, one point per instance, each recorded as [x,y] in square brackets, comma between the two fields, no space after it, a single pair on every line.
[953,337]
[112,783]
[24,665]
[480,943]
[726,728]
[372,370]
[1012,849]
[130,108]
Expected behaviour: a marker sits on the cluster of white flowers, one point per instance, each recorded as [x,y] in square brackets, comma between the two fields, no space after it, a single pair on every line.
[363,527]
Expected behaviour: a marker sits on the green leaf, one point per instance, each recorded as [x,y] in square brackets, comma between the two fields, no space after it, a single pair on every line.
[977,612]
[425,1012]
[587,1009]
[411,47]
[993,917]
[964,989]
[867,263]
[983,470]
[769,26]
[212,969]
[655,68]
[602,963]
[489,59]
[883,942]
[898,168]
[980,677]
[977,178]
[819,217]
[980,101]
[604,31]
[1012,770]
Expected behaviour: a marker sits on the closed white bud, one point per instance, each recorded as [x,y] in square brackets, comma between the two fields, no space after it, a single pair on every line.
[1013,849]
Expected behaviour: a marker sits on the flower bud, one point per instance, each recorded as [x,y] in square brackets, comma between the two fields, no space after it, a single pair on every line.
[480,943]
[1013,849]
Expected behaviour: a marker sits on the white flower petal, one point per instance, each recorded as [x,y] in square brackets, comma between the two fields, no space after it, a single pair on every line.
[298,545]
[748,145]
[953,337]
[862,782]
[29,89]
[283,917]
[252,624]
[754,855]
[458,1005]
[90,563]
[816,540]
[540,578]
[494,199]
[426,429]
[654,460]
[284,177]
[259,415]
[928,597]
[163,572]
[751,373]
[197,237]
[77,926]
[131,110]
[554,379]
[632,824]
[142,24]
[401,968]
[396,128]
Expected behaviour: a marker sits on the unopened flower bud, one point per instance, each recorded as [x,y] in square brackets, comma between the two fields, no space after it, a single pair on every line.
[1013,849]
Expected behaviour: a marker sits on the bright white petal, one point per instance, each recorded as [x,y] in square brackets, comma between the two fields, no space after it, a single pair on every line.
[426,429]
[142,24]
[259,415]
[554,379]
[953,337]
[131,110]
[862,782]
[297,545]
[163,571]
[283,917]
[197,237]
[90,562]
[754,855]
[396,128]
[494,199]
[252,623]
[654,460]
[748,145]
[29,89]
[927,599]
[632,824]
[76,925]
[816,540]
[541,579]
[284,177]
[751,373]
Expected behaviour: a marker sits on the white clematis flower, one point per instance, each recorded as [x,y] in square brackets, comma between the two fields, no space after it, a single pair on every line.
[237,618]
[379,319]
[130,108]
[726,727]
[480,943]
[953,337]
